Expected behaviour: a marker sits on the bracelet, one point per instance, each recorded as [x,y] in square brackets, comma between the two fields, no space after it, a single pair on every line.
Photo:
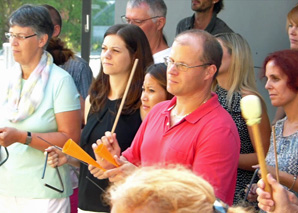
[295,178]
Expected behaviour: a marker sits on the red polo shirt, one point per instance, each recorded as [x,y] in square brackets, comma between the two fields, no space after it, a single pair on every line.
[206,141]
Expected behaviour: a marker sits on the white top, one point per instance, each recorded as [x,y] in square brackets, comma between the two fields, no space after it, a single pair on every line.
[21,174]
[159,56]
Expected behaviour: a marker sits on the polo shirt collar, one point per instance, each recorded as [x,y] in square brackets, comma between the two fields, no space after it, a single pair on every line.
[199,113]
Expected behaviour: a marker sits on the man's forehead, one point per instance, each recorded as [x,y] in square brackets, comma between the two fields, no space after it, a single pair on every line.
[189,39]
[185,50]
[142,7]
[137,14]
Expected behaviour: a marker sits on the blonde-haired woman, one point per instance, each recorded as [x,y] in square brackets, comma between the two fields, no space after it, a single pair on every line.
[292,27]
[235,80]
[165,190]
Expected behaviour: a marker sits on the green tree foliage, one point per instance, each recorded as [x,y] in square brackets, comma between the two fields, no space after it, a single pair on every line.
[103,12]
[70,10]
[8,6]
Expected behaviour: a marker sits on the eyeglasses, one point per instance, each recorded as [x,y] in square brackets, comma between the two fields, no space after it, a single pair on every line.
[59,176]
[180,66]
[18,36]
[136,21]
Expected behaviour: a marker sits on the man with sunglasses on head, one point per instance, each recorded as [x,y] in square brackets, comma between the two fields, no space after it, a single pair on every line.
[192,129]
[150,16]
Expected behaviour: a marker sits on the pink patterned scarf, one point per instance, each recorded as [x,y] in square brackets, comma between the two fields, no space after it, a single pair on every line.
[21,102]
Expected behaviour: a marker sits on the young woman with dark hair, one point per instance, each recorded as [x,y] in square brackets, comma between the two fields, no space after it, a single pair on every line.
[122,44]
[154,88]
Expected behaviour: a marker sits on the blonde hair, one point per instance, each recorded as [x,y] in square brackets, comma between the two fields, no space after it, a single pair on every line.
[241,71]
[164,190]
[292,16]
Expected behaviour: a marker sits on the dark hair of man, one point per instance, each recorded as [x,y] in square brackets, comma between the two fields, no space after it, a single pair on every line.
[218,6]
[138,46]
[57,48]
[59,51]
[212,51]
[159,73]
[35,17]
[286,60]
[157,7]
[55,15]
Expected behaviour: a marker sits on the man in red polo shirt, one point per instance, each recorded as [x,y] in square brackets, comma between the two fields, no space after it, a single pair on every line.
[192,129]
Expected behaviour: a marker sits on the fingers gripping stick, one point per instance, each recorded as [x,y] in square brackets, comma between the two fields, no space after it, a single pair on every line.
[102,150]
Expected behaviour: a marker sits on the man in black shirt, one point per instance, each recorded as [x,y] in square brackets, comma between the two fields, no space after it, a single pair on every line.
[204,18]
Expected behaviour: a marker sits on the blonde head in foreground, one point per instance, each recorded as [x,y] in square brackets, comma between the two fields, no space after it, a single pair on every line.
[163,190]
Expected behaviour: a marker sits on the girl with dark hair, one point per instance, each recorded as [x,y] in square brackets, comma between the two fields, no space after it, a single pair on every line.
[154,88]
[122,44]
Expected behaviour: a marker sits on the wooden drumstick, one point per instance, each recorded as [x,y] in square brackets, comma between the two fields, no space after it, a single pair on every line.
[275,155]
[252,111]
[100,149]
[124,95]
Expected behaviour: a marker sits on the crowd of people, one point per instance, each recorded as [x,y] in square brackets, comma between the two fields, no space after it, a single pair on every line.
[181,143]
[235,80]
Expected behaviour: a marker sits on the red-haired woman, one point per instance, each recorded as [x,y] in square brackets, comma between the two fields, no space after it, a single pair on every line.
[281,71]
[292,28]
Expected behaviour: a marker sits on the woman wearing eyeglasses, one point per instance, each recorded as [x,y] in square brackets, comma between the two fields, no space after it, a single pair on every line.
[38,99]
[235,80]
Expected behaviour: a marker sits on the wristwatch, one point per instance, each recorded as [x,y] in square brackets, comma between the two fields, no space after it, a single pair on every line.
[28,139]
